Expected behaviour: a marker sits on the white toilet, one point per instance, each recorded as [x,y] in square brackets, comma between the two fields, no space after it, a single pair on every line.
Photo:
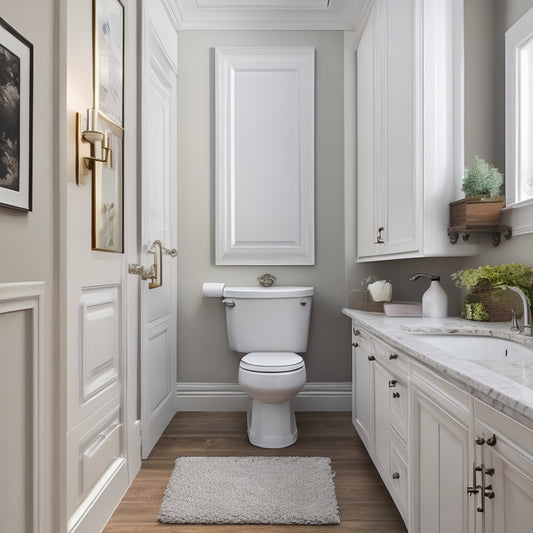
[271,326]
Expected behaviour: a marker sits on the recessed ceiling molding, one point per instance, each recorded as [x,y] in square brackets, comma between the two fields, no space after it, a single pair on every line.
[263,4]
[275,15]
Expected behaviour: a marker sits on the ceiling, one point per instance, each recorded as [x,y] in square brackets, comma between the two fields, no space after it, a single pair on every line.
[271,14]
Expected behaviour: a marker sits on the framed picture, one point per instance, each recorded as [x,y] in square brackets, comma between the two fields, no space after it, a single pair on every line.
[109,59]
[108,194]
[16,116]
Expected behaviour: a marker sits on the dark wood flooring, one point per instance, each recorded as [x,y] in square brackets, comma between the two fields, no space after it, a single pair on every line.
[364,503]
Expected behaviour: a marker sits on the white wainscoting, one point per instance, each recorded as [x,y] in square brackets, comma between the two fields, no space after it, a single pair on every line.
[230,397]
[21,305]
[264,163]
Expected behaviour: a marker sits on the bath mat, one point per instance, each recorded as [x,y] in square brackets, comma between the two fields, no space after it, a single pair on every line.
[250,490]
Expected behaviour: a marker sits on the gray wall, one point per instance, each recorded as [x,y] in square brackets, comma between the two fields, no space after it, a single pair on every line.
[28,246]
[202,344]
[203,353]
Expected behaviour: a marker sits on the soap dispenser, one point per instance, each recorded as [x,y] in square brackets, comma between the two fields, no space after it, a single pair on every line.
[434,300]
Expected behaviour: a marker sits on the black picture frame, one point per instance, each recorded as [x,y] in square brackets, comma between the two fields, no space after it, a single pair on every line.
[16,119]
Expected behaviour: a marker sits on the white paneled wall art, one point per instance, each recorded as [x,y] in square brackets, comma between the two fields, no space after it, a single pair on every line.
[265,156]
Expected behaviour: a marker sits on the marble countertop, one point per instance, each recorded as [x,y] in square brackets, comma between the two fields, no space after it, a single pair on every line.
[507,386]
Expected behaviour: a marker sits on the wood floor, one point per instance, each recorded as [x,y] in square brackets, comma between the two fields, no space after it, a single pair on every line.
[364,503]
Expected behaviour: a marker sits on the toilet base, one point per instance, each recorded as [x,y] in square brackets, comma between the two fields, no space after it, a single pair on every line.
[271,425]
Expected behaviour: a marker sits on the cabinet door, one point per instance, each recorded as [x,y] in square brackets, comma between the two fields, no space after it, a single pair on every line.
[366,144]
[510,455]
[363,378]
[397,200]
[440,466]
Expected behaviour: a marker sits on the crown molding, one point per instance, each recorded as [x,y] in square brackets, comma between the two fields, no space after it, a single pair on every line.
[271,15]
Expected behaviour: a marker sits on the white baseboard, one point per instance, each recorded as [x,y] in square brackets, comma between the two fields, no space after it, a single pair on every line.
[230,397]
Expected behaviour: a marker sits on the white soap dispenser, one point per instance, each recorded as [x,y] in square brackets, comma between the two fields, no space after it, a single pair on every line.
[434,300]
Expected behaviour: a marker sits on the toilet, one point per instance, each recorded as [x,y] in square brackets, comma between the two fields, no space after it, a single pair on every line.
[270,325]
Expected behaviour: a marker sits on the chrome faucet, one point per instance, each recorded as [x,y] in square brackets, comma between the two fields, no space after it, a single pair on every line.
[526,330]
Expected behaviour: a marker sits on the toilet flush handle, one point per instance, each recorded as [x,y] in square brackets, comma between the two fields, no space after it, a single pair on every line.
[228,303]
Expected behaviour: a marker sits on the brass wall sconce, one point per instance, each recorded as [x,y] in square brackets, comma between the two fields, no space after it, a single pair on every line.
[86,163]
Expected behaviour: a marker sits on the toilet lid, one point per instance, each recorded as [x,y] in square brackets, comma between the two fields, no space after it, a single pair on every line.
[272,362]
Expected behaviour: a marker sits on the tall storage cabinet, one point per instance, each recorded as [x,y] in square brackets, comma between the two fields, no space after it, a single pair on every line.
[409,129]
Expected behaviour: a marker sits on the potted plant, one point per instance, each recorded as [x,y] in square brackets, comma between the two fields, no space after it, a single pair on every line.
[487,302]
[482,204]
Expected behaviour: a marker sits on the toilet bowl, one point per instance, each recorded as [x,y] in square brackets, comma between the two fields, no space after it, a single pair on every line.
[270,325]
[272,380]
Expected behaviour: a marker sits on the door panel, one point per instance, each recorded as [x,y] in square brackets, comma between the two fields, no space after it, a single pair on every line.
[159,203]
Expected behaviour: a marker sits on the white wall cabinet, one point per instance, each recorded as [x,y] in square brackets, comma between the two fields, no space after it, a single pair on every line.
[409,129]
[450,462]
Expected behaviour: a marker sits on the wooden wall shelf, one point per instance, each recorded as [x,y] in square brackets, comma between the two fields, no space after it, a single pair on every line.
[496,231]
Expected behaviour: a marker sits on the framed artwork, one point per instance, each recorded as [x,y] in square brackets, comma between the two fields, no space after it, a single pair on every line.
[108,194]
[108,74]
[109,59]
[16,117]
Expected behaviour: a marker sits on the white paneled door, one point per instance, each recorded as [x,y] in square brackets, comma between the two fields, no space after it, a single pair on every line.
[159,142]
[98,328]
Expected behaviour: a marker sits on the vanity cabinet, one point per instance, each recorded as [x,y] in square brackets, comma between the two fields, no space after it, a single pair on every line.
[409,129]
[504,457]
[451,462]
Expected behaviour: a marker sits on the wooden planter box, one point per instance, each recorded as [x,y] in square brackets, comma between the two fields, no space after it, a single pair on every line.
[470,215]
[467,213]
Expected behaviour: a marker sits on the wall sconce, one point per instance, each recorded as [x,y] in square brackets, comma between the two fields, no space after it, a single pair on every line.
[86,163]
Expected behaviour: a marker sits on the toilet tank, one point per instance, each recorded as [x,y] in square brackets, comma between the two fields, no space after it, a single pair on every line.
[268,319]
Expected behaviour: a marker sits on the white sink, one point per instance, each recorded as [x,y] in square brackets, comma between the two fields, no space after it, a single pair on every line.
[479,348]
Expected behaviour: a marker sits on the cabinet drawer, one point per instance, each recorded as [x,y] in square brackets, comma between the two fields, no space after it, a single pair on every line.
[399,407]
[394,360]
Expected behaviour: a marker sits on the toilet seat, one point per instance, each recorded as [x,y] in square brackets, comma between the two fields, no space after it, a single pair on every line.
[272,362]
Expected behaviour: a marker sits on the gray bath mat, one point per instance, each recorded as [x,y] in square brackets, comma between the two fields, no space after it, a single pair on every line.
[250,490]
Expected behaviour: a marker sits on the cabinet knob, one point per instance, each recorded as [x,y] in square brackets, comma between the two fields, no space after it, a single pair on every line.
[396,475]
[393,356]
[371,358]
[392,383]
[480,441]
[355,345]
[356,332]
[395,394]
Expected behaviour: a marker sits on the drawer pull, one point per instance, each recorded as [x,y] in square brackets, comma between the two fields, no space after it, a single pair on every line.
[392,383]
[395,394]
[371,358]
[393,356]
[355,345]
[396,475]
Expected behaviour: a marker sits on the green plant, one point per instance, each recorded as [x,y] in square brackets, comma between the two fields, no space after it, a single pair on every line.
[508,274]
[482,179]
